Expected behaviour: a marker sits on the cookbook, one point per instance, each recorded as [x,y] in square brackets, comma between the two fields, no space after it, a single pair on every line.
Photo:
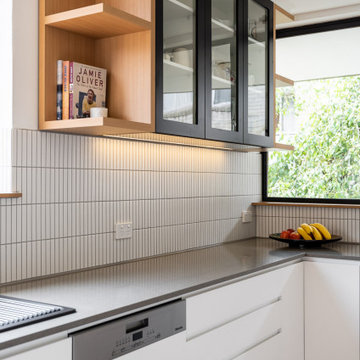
[87,89]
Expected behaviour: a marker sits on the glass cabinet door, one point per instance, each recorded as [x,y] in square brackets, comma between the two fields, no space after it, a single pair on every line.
[214,70]
[259,74]
[177,73]
[222,78]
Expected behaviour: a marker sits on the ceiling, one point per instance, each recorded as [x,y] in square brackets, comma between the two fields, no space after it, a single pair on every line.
[316,11]
[320,55]
[304,6]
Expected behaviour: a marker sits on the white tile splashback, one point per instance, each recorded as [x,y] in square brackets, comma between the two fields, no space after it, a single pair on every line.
[75,189]
[339,221]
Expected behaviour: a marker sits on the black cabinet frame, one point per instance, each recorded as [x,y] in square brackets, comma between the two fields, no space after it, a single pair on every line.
[268,139]
[202,129]
[172,127]
[210,132]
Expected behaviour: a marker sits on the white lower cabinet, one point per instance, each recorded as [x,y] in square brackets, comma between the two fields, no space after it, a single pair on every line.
[257,318]
[60,350]
[169,348]
[331,311]
[266,350]
[263,317]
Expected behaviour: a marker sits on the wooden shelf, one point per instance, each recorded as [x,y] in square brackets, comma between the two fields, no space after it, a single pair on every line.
[284,147]
[10,195]
[97,21]
[119,38]
[282,16]
[282,81]
[318,205]
[276,147]
[97,126]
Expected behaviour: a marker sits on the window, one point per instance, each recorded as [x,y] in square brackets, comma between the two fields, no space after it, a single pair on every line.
[319,115]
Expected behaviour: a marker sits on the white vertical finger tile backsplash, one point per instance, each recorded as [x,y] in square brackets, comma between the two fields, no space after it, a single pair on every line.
[339,221]
[76,188]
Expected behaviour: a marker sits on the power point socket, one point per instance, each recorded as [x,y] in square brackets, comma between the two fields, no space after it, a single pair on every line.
[123,231]
[246,216]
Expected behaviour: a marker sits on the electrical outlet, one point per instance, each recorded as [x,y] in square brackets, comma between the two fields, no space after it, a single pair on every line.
[246,216]
[123,231]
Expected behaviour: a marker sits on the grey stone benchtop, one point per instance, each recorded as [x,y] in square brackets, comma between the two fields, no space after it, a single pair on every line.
[116,290]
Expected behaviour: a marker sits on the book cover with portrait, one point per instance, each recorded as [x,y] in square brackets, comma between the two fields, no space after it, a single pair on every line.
[87,86]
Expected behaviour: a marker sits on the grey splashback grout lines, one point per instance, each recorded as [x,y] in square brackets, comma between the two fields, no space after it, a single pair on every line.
[75,188]
[344,222]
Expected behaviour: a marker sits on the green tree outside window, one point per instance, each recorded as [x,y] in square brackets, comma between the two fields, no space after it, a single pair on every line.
[326,159]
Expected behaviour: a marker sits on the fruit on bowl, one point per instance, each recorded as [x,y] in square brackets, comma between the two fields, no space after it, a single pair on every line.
[305,231]
[286,234]
[295,236]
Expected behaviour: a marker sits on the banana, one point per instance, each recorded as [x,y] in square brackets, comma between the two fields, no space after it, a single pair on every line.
[316,233]
[323,230]
[304,234]
[307,228]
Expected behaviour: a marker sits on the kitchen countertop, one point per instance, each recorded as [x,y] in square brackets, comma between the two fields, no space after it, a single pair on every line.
[115,290]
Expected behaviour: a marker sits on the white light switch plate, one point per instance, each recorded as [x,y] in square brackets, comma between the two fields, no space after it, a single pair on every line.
[123,231]
[246,216]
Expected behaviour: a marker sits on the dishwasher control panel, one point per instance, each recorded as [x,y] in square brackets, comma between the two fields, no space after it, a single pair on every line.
[119,337]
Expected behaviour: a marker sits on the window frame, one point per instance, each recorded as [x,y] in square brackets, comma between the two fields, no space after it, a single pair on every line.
[298,31]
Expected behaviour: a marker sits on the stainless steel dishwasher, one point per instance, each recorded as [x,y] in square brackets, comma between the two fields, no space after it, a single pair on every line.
[119,337]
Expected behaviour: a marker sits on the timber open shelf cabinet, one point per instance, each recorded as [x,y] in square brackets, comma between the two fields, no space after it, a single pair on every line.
[118,35]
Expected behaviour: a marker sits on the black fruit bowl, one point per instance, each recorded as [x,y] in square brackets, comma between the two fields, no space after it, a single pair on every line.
[304,243]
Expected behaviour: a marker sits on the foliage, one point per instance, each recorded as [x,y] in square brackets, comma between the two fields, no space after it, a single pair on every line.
[326,159]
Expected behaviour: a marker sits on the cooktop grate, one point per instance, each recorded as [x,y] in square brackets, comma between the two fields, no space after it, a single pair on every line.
[15,312]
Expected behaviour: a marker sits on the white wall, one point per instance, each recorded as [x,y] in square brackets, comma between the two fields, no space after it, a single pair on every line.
[25,64]
[6,91]
[19,78]
[6,65]
[6,178]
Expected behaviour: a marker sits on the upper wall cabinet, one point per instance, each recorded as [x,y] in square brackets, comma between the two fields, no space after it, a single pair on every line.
[118,35]
[224,59]
[195,68]
[214,70]
[259,74]
[180,72]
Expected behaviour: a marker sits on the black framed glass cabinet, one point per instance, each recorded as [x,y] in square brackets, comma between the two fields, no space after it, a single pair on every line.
[214,70]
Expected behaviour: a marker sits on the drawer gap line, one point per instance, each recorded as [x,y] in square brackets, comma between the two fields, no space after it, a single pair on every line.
[258,343]
[257,308]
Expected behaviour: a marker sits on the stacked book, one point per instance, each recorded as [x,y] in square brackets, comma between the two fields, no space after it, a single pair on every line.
[79,88]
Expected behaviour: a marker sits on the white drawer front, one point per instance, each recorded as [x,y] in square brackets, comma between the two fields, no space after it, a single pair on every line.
[60,350]
[230,340]
[267,350]
[216,307]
